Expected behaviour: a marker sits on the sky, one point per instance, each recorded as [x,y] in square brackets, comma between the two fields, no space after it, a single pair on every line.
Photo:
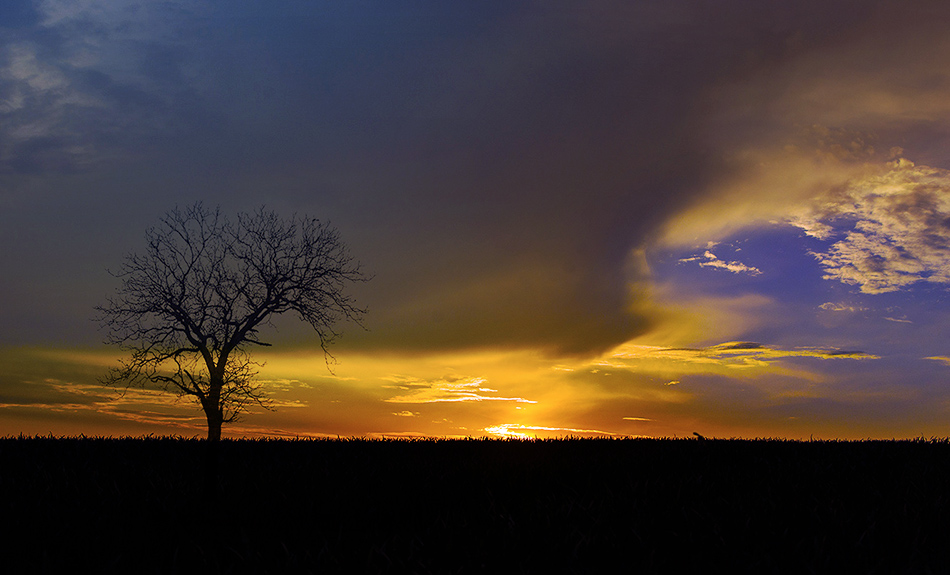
[598,219]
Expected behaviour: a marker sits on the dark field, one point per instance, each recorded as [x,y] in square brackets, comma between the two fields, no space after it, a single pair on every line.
[478,506]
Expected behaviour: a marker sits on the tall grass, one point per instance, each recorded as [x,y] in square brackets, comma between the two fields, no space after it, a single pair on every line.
[474,506]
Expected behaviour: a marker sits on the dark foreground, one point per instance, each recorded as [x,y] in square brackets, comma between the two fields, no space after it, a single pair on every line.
[584,506]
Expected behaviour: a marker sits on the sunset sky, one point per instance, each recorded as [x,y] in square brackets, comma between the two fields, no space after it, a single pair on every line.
[600,218]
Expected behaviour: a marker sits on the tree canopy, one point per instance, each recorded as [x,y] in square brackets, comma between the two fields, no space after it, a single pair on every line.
[192,304]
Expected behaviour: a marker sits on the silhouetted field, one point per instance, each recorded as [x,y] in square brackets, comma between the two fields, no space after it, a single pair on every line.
[475,506]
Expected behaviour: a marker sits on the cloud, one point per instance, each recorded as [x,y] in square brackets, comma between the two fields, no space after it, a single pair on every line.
[881,226]
[748,349]
[80,85]
[685,314]
[729,355]
[841,307]
[84,400]
[846,143]
[37,107]
[46,385]
[282,403]
[941,358]
[710,260]
[765,185]
[450,390]
[495,199]
[283,384]
[895,228]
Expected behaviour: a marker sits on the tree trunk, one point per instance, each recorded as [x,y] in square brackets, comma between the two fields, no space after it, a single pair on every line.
[214,429]
[215,419]
[212,405]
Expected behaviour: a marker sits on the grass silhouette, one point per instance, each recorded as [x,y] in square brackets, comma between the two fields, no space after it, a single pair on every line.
[475,506]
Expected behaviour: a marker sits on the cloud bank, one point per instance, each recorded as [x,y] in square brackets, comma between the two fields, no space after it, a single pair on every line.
[894,229]
[494,165]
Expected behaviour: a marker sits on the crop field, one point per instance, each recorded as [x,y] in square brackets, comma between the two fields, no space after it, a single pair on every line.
[166,505]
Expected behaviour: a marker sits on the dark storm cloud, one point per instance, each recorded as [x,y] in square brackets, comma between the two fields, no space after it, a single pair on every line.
[492,165]
[560,143]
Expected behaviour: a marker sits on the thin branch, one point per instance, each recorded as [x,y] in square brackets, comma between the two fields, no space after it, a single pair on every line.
[190,305]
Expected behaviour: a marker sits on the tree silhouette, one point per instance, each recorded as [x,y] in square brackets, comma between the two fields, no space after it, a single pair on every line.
[190,307]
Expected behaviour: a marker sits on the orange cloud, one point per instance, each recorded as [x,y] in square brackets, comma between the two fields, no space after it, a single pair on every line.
[439,391]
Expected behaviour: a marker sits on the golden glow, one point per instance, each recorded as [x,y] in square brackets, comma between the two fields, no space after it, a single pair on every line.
[632,390]
[768,185]
[442,390]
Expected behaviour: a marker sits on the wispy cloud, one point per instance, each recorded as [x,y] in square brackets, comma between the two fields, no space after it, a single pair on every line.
[710,260]
[880,225]
[842,307]
[448,390]
[144,406]
[890,229]
[283,384]
[736,354]
[282,403]
[81,86]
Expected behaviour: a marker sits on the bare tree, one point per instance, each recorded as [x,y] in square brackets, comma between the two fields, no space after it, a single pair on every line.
[190,307]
